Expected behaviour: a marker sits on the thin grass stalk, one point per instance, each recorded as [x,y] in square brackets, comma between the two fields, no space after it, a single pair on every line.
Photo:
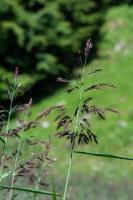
[7,126]
[39,180]
[15,162]
[37,187]
[76,126]
[14,169]
[35,196]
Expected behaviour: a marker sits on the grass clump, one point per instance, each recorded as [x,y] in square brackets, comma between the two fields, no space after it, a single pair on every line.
[16,167]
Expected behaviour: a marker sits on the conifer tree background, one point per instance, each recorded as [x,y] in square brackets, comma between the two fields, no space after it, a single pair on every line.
[41,36]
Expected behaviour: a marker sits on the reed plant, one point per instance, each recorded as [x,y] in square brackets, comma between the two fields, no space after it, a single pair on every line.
[16,168]
[77,127]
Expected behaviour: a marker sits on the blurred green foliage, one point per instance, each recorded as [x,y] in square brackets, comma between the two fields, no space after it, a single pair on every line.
[41,36]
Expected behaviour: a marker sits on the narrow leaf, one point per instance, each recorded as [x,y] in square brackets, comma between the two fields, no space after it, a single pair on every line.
[88,99]
[28,190]
[72,89]
[104,155]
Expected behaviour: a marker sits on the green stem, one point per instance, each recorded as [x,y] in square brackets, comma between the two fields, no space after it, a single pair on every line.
[7,128]
[76,127]
[68,176]
[14,169]
[35,196]
[15,162]
[43,165]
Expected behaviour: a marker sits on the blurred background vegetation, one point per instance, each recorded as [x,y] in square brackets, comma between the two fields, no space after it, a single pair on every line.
[43,37]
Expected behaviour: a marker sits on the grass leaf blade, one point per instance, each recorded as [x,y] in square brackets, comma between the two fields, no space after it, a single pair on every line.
[28,190]
[103,155]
